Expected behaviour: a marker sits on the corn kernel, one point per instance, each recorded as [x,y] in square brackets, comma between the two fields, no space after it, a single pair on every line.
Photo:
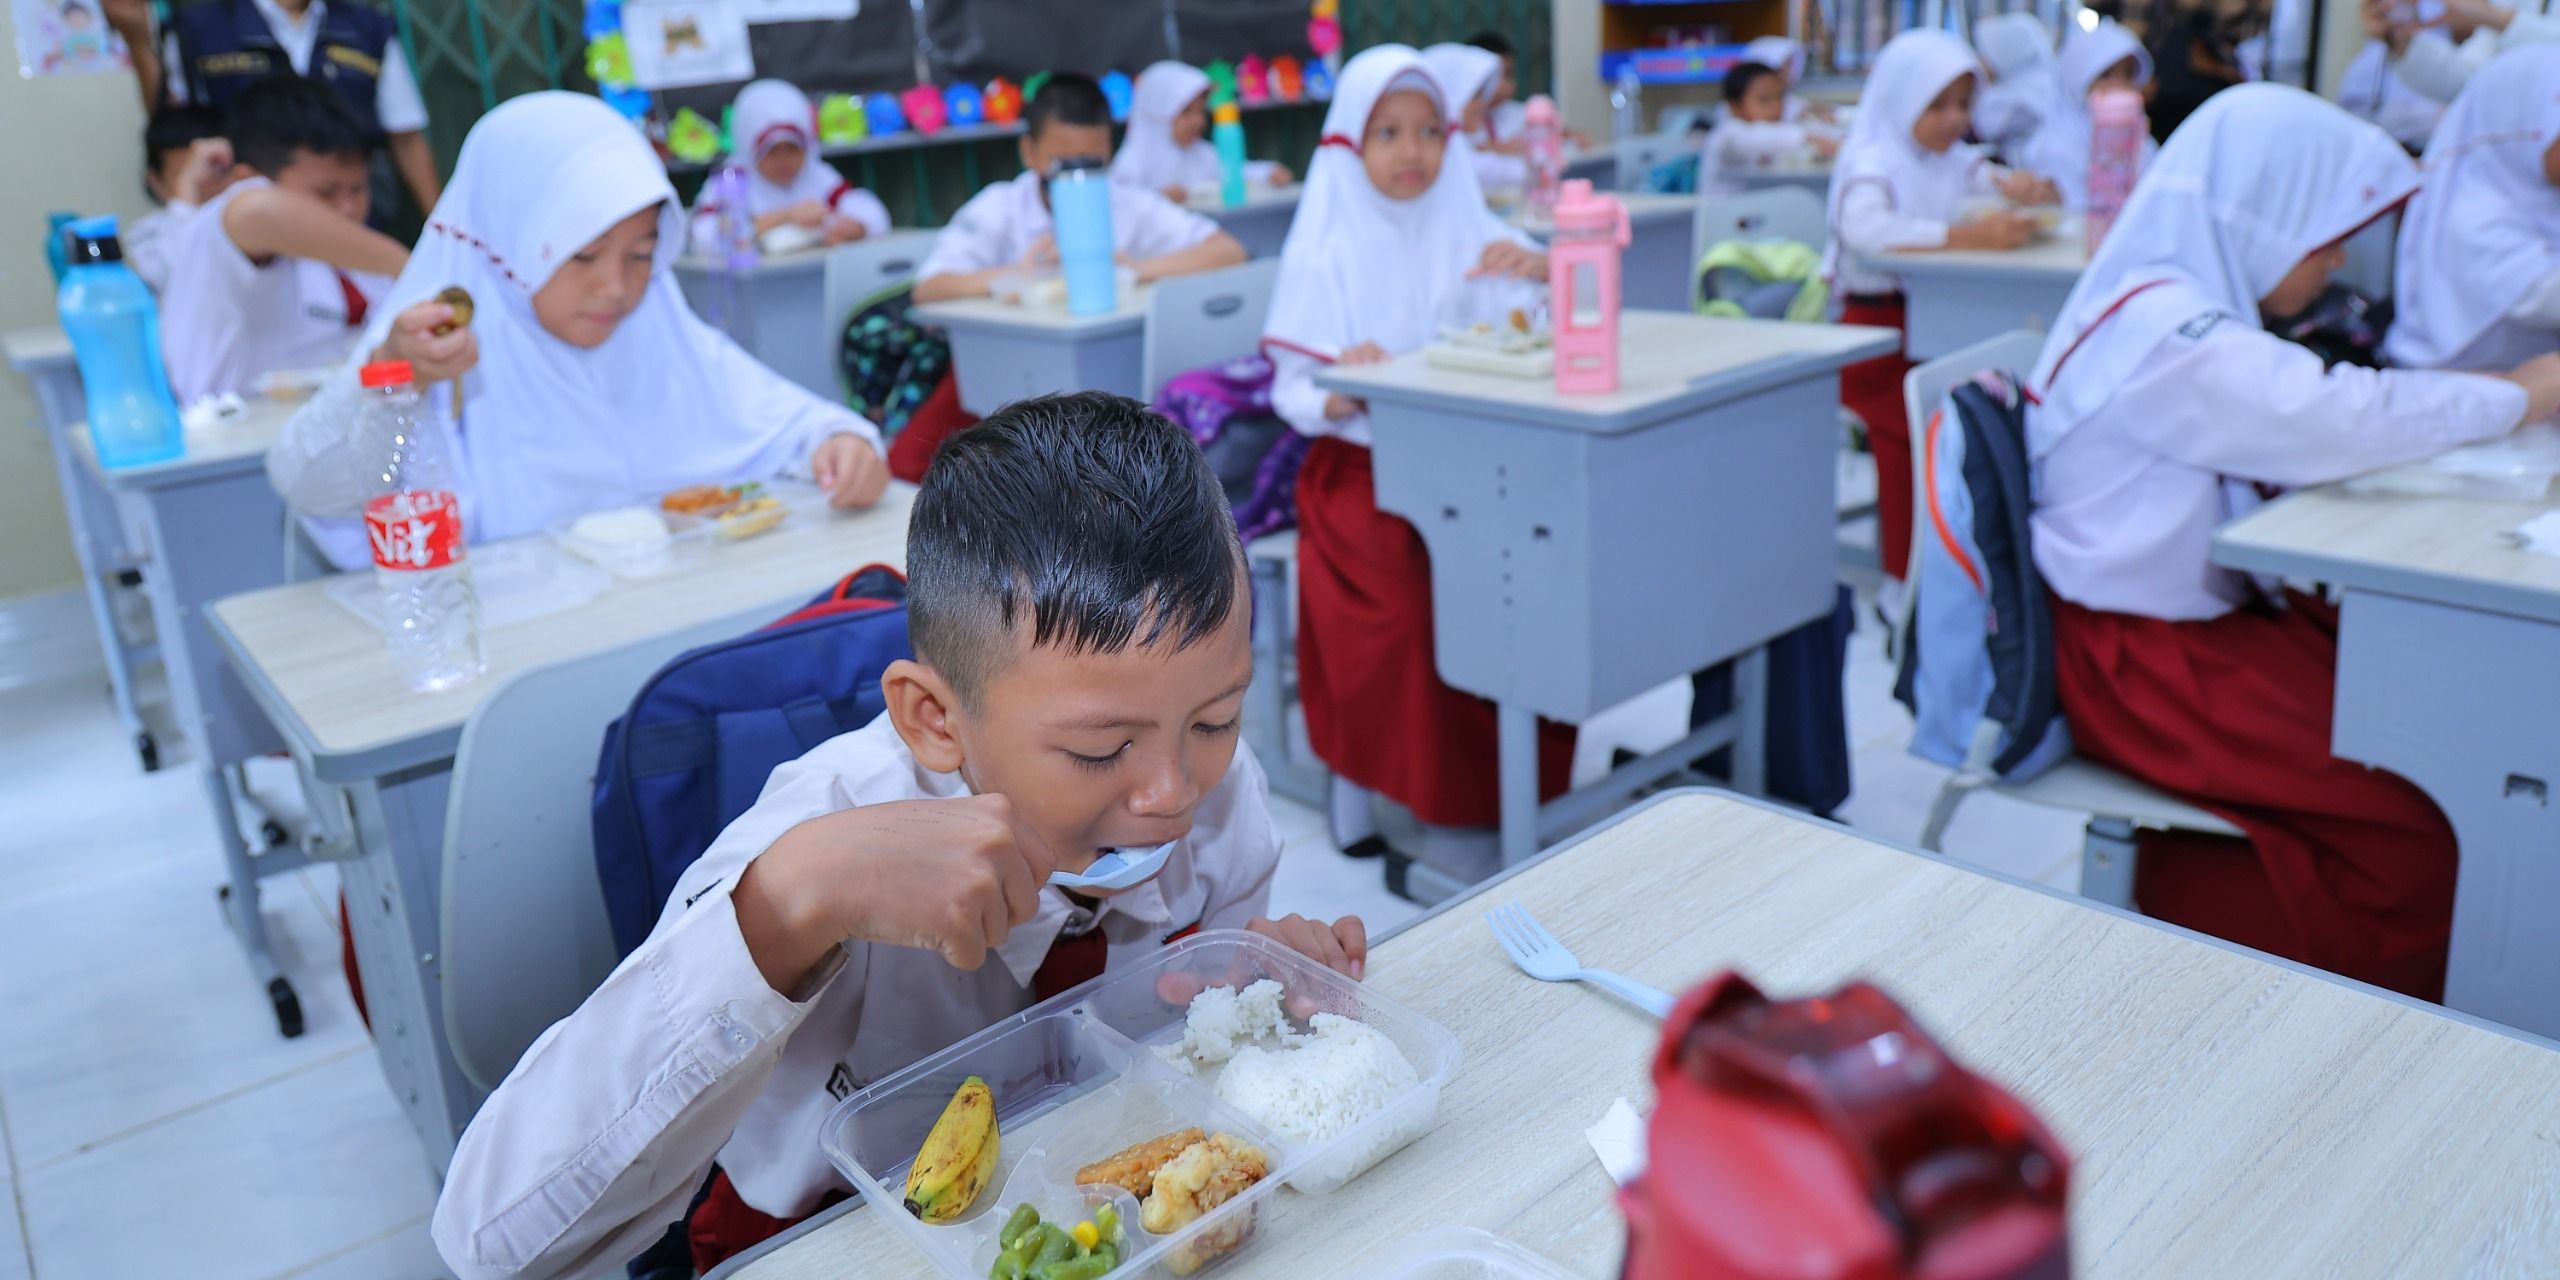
[1086,1234]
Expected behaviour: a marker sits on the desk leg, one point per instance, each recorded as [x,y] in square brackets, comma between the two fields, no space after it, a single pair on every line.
[1518,745]
[1751,730]
[393,913]
[2459,702]
[97,543]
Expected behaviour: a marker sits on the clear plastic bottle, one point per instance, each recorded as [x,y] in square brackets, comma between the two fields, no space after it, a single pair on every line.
[1626,101]
[413,517]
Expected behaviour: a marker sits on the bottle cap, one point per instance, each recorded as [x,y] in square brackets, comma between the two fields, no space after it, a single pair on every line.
[1226,113]
[92,240]
[387,373]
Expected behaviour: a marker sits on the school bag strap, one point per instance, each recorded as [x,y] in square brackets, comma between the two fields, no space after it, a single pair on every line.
[701,737]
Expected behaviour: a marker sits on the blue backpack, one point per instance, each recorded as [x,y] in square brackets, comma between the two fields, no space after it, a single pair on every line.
[1977,657]
[704,733]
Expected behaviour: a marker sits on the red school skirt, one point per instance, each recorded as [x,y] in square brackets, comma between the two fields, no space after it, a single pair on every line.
[2345,868]
[1872,389]
[1377,711]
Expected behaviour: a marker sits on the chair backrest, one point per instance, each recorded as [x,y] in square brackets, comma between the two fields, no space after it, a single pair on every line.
[857,272]
[1202,319]
[1927,384]
[524,935]
[1639,155]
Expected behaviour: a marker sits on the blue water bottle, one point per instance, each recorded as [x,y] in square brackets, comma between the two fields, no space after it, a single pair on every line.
[56,253]
[115,335]
[1080,212]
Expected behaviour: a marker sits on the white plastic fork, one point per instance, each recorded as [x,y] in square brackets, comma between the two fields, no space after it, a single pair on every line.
[1540,956]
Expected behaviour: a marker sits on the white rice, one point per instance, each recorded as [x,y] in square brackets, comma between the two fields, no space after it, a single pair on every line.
[1223,1019]
[1305,1089]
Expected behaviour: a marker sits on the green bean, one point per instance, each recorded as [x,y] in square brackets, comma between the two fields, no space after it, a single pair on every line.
[1055,1245]
[1092,1266]
[1024,1218]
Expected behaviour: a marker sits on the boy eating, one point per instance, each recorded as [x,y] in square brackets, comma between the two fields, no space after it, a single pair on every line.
[1078,606]
[185,162]
[1006,227]
[275,272]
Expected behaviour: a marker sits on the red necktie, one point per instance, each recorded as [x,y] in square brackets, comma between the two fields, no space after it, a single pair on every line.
[1071,960]
[356,305]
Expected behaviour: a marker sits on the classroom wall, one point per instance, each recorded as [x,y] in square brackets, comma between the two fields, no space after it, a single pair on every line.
[1579,93]
[75,142]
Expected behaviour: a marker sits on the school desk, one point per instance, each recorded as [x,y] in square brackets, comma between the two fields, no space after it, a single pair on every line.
[379,759]
[1261,223]
[108,553]
[779,310]
[1812,175]
[211,526]
[2228,1114]
[2448,675]
[1586,548]
[1656,266]
[1958,297]
[1002,351]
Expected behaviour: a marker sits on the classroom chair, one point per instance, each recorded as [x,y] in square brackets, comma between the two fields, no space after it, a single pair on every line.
[1641,155]
[1199,320]
[524,935]
[865,272]
[2117,805]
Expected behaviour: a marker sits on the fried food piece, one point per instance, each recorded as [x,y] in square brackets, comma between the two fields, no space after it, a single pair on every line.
[1134,1170]
[1519,320]
[699,498]
[749,518]
[1204,1176]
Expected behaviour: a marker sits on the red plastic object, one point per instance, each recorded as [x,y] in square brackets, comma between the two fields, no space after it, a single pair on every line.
[1004,101]
[923,105]
[1831,1138]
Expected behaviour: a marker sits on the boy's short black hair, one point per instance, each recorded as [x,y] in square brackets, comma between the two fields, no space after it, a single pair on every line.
[1491,42]
[1091,519]
[1069,97]
[175,129]
[1739,78]
[282,114]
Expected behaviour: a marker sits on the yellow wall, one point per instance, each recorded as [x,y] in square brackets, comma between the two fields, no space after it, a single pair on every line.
[72,142]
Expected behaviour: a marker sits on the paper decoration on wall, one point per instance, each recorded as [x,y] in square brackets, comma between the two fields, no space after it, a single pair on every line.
[882,110]
[923,107]
[1004,101]
[65,38]
[1116,90]
[692,138]
[798,10]
[1320,81]
[1288,79]
[841,122]
[964,104]
[1222,81]
[1253,80]
[676,44]
[608,60]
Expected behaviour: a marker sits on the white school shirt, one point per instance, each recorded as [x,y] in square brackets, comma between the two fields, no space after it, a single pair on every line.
[997,226]
[2126,504]
[2437,67]
[147,242]
[598,1138]
[1869,224]
[1737,147]
[225,320]
[395,91]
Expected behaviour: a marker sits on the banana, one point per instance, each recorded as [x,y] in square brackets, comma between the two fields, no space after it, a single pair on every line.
[958,1155]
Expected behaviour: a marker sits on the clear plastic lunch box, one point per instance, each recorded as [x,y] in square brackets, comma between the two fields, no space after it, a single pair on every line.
[688,535]
[1079,1078]
[1461,1253]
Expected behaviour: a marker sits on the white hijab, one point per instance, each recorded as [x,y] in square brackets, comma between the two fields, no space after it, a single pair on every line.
[767,114]
[551,432]
[2486,227]
[1913,69]
[2259,178]
[2018,49]
[1358,266]
[1148,155]
[2060,149]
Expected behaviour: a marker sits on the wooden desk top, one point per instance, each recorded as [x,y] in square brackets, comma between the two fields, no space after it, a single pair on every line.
[2061,258]
[1669,363]
[1053,322]
[325,678]
[2445,550]
[1257,197]
[39,347]
[221,449]
[2229,1115]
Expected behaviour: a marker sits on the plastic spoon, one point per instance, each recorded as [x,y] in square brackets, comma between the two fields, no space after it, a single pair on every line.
[1118,869]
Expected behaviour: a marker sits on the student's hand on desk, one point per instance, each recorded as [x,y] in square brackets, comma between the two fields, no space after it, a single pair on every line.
[1280,175]
[843,230]
[807,213]
[1821,112]
[2000,230]
[1508,258]
[2028,188]
[1824,145]
[850,470]
[1342,946]
[2540,378]
[432,357]
[1042,253]
[1177,193]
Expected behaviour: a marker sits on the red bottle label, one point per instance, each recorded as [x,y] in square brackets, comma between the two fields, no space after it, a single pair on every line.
[415,530]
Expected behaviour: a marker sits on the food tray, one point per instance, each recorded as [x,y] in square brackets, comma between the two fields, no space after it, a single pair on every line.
[689,536]
[1461,1253]
[1078,1078]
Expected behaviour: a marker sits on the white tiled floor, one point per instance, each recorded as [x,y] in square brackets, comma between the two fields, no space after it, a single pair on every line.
[154,1124]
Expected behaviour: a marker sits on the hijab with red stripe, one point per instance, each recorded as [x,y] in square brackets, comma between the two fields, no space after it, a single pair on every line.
[1359,266]
[1914,68]
[767,114]
[2259,178]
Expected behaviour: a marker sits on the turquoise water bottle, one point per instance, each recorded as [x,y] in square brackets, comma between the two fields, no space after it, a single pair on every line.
[115,335]
[1228,132]
[1080,213]
[55,255]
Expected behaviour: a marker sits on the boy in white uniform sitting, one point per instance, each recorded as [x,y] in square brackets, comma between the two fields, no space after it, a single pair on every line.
[1078,605]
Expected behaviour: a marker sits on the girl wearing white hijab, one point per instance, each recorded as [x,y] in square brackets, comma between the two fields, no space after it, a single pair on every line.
[1901,182]
[2163,405]
[2478,278]
[1786,57]
[587,381]
[1469,77]
[2017,57]
[1166,147]
[2104,57]
[777,129]
[1385,236]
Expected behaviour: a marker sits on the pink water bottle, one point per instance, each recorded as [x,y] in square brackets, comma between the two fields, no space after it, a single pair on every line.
[1582,287]
[2117,128]
[1543,132]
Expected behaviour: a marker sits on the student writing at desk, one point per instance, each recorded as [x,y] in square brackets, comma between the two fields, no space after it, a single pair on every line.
[587,383]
